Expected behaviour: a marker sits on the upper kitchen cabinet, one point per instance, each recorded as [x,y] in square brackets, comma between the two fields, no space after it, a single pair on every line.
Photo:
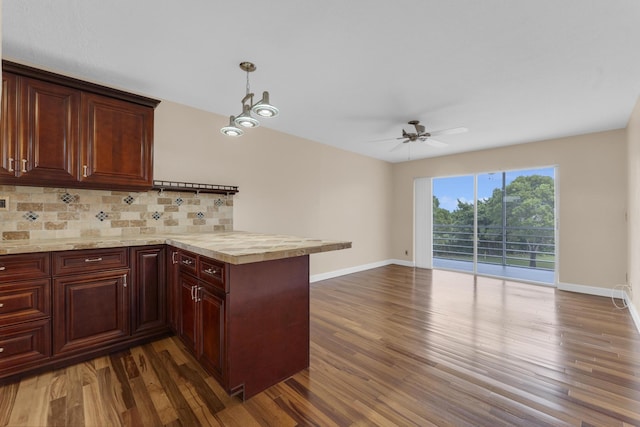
[9,128]
[60,131]
[117,149]
[48,132]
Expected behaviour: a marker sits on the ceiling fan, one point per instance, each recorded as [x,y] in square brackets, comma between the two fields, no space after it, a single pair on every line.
[422,135]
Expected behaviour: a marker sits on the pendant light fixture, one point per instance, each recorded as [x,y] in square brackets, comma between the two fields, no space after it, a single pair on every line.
[261,108]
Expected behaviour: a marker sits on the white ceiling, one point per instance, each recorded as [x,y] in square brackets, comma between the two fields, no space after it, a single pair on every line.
[347,73]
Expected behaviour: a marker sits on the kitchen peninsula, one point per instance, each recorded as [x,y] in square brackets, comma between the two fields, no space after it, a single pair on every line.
[238,300]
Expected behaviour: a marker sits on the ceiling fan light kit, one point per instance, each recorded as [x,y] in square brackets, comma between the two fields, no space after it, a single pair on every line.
[262,108]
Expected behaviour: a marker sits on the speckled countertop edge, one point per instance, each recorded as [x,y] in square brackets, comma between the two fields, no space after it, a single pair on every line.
[235,247]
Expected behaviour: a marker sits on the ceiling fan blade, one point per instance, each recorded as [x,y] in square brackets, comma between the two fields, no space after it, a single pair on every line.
[397,147]
[435,143]
[384,140]
[448,131]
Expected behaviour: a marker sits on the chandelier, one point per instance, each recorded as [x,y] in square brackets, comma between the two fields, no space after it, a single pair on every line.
[261,108]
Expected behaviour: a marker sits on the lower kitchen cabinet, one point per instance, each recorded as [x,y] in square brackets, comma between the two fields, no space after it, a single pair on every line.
[187,310]
[201,321]
[210,349]
[25,311]
[247,324]
[90,310]
[148,292]
[25,345]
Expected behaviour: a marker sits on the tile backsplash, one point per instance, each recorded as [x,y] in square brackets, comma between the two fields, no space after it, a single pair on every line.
[51,213]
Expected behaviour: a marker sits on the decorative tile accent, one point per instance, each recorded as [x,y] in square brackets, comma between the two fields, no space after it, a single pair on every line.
[218,202]
[156,215]
[102,216]
[68,198]
[128,200]
[179,201]
[30,216]
[200,215]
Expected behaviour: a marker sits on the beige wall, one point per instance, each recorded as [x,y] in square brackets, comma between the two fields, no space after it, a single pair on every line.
[633,159]
[287,184]
[592,199]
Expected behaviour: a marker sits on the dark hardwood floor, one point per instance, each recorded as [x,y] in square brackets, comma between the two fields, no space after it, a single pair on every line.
[389,346]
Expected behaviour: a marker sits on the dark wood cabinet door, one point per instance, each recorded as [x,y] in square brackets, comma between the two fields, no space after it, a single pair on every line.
[90,310]
[149,291]
[9,129]
[188,319]
[212,337]
[173,289]
[117,146]
[49,132]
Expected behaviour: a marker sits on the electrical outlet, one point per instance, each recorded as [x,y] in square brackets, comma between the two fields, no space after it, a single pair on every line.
[4,203]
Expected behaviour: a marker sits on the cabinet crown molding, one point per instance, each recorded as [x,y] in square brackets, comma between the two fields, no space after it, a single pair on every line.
[48,76]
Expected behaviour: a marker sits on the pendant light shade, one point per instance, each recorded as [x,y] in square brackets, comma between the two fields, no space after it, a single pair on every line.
[245,120]
[232,129]
[261,108]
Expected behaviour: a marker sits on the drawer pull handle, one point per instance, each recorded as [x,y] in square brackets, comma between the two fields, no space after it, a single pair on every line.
[24,165]
[1,349]
[1,304]
[84,171]
[124,277]
[173,257]
[187,262]
[3,268]
[11,160]
[193,296]
[211,271]
[93,259]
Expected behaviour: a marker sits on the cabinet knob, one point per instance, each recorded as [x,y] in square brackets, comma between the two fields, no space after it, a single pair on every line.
[1,304]
[3,268]
[11,160]
[1,349]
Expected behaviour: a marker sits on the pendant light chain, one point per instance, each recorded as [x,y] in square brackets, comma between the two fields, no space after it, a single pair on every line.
[248,89]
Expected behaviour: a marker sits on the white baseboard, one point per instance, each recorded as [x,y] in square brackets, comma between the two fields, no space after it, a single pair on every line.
[592,290]
[337,273]
[632,311]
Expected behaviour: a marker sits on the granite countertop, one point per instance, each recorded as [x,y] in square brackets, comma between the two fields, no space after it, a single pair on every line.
[234,247]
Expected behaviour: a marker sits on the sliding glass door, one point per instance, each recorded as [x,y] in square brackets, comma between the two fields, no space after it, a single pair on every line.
[453,222]
[499,224]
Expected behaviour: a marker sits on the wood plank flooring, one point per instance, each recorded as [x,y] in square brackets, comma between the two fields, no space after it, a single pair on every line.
[393,346]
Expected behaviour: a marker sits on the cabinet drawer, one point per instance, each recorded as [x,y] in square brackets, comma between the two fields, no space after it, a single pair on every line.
[25,344]
[24,266]
[72,262]
[212,271]
[188,262]
[25,300]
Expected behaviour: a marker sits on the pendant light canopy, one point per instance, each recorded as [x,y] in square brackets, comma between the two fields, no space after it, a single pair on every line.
[261,108]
